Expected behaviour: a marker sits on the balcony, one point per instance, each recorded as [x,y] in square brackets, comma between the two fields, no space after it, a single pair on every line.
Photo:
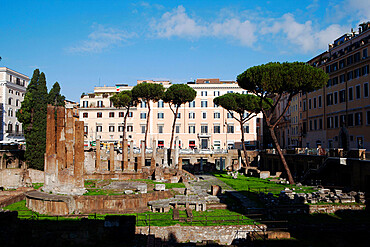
[204,135]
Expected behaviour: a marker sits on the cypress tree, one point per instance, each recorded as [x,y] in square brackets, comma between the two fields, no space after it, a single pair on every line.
[54,97]
[32,115]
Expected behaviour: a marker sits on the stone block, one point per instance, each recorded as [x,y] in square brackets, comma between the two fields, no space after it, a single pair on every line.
[264,174]
[160,187]
[215,190]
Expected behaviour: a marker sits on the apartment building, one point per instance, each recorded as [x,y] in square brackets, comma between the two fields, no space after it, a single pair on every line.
[12,90]
[339,114]
[201,124]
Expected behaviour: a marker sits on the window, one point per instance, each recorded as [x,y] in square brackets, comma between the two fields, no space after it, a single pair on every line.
[350,120]
[357,73]
[120,128]
[230,128]
[191,115]
[111,128]
[335,81]
[216,115]
[350,93]
[364,53]
[216,93]
[314,103]
[335,98]
[99,128]
[215,105]
[86,130]
[204,115]
[357,57]
[246,128]
[329,122]
[143,115]
[177,128]
[130,128]
[160,115]
[358,118]
[229,91]
[329,99]
[366,89]
[319,101]
[142,129]
[203,93]
[111,114]
[310,104]
[204,129]
[320,123]
[204,103]
[216,129]
[160,104]
[342,78]
[160,129]
[365,70]
[350,75]
[358,91]
[85,104]
[368,118]
[229,115]
[342,120]
[100,103]
[192,104]
[342,96]
[178,115]
[10,101]
[130,114]
[304,105]
[342,63]
[336,122]
[10,112]
[142,104]
[315,124]
[311,125]
[349,60]
[192,129]
[121,114]
[85,115]
[99,115]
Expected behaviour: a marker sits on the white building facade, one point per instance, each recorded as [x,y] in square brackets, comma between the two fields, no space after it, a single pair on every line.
[201,124]
[12,90]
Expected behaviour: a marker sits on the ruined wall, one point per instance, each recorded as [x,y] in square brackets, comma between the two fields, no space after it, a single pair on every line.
[61,205]
[15,178]
[222,234]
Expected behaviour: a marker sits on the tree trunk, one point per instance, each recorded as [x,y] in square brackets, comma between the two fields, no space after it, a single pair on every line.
[244,149]
[173,132]
[147,126]
[282,158]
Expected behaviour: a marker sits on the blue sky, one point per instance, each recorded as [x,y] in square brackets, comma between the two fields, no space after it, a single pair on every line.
[83,43]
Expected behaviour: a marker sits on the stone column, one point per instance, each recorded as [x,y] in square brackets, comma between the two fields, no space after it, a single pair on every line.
[50,140]
[125,154]
[61,139]
[111,157]
[165,158]
[154,155]
[79,154]
[176,155]
[69,138]
[132,160]
[142,161]
[98,157]
[180,164]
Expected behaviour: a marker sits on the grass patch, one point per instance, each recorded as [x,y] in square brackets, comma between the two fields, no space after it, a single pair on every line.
[256,185]
[36,186]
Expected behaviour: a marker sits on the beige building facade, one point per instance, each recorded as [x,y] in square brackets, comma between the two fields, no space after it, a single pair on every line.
[201,124]
[12,90]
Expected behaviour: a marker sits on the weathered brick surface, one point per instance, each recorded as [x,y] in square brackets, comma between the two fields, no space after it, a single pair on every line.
[221,234]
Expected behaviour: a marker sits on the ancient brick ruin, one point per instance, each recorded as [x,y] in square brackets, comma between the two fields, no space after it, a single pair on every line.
[64,157]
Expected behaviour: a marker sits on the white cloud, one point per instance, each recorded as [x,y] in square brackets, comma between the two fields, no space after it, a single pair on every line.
[242,31]
[100,39]
[177,23]
[304,36]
